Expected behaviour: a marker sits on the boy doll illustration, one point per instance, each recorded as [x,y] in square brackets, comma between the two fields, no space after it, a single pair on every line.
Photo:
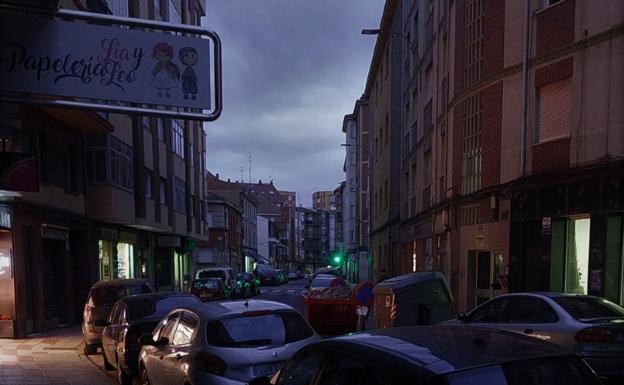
[188,57]
[165,74]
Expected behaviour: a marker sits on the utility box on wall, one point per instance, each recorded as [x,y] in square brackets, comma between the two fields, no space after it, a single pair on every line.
[421,298]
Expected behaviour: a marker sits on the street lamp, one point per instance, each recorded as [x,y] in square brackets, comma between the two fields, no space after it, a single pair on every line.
[368,31]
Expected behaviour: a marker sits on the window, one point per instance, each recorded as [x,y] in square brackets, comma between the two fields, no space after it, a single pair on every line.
[161,128]
[348,371]
[163,191]
[148,183]
[167,328]
[177,138]
[118,7]
[157,9]
[514,309]
[186,329]
[120,163]
[174,15]
[554,111]
[471,155]
[146,122]
[179,195]
[70,169]
[302,370]
[589,307]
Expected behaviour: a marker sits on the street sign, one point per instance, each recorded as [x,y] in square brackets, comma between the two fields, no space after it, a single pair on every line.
[118,64]
[363,293]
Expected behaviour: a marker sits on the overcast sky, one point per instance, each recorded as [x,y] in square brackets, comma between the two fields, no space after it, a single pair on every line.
[291,70]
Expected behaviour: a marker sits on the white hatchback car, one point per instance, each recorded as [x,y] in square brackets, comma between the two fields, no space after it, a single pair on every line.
[222,343]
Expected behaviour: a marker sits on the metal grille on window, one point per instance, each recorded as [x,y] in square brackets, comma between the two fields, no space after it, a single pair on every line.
[471,157]
[474,41]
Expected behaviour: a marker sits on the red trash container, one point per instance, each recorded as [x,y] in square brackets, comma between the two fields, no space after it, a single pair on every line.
[333,316]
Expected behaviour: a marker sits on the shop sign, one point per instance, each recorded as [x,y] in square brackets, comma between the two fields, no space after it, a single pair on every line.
[18,171]
[109,65]
[546,226]
[5,217]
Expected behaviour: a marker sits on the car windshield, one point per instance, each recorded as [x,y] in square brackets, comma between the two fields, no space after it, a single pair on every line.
[110,295]
[268,273]
[211,284]
[272,329]
[327,281]
[212,274]
[589,308]
[155,307]
[543,371]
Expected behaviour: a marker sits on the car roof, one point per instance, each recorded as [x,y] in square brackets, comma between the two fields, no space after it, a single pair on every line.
[120,283]
[448,348]
[214,269]
[138,297]
[222,309]
[548,294]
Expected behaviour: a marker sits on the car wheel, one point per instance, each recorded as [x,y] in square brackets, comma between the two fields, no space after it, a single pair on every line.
[143,376]
[107,365]
[122,377]
[90,349]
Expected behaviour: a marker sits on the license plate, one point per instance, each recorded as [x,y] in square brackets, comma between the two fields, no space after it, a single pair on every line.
[205,295]
[267,370]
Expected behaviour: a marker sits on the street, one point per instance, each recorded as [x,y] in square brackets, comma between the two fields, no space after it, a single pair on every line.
[57,358]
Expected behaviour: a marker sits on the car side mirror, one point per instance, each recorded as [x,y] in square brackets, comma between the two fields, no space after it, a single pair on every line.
[101,323]
[463,317]
[260,381]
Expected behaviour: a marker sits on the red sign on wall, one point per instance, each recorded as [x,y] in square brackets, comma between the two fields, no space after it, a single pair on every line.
[19,172]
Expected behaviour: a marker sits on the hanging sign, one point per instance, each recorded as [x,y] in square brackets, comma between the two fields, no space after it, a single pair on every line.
[108,64]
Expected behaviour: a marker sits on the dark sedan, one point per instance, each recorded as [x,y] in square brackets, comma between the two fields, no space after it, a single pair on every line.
[131,318]
[209,289]
[433,355]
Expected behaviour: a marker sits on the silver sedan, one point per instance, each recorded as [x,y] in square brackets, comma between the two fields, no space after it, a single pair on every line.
[228,342]
[590,326]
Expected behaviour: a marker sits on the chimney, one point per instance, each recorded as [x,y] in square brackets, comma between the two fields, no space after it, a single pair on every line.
[228,180]
[217,176]
[259,181]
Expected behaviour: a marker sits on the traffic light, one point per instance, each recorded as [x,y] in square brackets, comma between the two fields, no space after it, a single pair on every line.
[338,257]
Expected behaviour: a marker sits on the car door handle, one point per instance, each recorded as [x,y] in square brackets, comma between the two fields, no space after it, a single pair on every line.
[528,331]
[178,356]
[161,357]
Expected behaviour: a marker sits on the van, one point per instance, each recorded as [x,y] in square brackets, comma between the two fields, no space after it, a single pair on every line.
[226,274]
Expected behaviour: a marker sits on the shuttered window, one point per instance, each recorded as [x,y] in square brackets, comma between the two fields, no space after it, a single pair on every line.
[554,110]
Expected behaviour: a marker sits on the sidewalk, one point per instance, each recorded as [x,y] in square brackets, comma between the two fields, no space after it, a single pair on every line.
[49,358]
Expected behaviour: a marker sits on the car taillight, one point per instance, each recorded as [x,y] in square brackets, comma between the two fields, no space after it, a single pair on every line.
[595,335]
[210,363]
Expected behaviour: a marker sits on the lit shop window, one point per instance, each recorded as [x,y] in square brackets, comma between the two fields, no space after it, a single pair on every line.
[125,260]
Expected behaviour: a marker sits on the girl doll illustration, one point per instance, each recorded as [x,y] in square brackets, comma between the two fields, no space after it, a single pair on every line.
[188,57]
[165,74]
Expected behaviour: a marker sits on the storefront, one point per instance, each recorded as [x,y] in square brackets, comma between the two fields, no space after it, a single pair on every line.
[7,293]
[118,256]
[567,236]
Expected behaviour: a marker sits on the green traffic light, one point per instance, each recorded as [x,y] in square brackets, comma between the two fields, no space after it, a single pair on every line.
[337,259]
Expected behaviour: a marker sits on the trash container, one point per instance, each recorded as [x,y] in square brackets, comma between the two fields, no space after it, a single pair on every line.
[331,316]
[421,298]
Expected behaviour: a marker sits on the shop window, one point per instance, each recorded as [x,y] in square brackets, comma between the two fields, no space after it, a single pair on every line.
[6,262]
[577,256]
[125,260]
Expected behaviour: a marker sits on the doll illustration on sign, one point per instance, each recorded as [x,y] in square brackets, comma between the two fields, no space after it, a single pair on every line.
[188,57]
[166,74]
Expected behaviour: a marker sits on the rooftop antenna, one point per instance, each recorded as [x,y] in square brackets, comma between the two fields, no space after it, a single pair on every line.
[242,170]
[249,168]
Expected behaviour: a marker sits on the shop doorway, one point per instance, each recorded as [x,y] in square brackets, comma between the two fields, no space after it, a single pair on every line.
[52,257]
[181,271]
[577,256]
[485,269]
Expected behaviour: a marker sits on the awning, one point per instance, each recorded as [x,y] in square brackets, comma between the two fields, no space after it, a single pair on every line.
[257,257]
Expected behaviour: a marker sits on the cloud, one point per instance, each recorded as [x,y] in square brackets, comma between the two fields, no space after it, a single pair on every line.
[292,69]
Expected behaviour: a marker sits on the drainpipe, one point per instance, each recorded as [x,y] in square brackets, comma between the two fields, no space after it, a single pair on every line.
[525,83]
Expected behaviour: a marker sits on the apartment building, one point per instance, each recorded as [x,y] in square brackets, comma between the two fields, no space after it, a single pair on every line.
[119,197]
[511,160]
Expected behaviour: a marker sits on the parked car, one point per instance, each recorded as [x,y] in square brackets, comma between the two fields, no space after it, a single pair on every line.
[209,289]
[225,273]
[433,355]
[222,343]
[100,301]
[292,276]
[590,326]
[131,318]
[269,277]
[248,284]
[326,280]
